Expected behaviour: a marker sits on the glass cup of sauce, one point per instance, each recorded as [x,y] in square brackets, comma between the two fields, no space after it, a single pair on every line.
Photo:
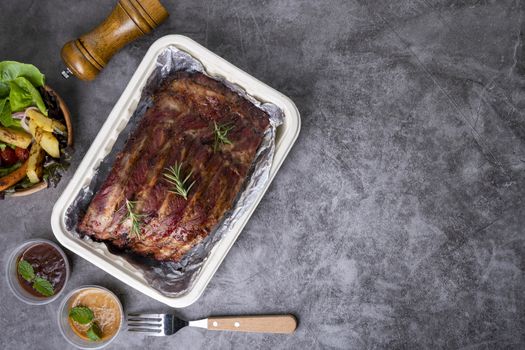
[45,271]
[105,313]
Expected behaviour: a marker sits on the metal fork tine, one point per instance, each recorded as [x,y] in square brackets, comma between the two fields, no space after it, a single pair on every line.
[146,315]
[145,324]
[144,319]
[154,324]
[148,331]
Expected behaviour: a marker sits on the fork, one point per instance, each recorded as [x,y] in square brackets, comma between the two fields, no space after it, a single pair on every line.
[167,324]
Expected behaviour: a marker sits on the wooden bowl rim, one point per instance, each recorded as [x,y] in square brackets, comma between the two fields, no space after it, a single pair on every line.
[67,117]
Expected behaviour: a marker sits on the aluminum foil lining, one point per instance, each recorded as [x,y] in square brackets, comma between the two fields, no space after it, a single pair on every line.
[170,278]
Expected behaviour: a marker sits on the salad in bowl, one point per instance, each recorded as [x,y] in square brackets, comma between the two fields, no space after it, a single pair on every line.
[35,131]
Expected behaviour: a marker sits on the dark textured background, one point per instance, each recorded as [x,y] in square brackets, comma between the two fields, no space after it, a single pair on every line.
[397,220]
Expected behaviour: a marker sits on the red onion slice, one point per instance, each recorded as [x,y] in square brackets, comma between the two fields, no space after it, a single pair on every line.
[22,116]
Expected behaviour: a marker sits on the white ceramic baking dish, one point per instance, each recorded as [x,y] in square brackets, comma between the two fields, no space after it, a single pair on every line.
[118,118]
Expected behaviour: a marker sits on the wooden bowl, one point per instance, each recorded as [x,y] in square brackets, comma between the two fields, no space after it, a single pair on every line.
[67,117]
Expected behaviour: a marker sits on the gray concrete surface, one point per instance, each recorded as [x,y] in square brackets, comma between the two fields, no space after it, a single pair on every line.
[397,220]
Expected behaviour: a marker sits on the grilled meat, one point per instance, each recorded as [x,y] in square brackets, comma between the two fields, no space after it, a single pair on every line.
[180,128]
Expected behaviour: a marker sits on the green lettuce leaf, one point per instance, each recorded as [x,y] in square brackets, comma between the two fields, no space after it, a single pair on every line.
[9,170]
[4,89]
[23,94]
[4,145]
[18,83]
[10,70]
[5,112]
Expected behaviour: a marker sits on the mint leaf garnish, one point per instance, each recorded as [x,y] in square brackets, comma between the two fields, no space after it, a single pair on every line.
[40,284]
[81,314]
[43,286]
[94,333]
[84,315]
[26,270]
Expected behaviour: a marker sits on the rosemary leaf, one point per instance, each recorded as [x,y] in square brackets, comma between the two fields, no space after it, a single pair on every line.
[221,135]
[134,218]
[175,177]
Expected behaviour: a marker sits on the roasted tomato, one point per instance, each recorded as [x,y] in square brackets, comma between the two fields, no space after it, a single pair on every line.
[8,156]
[21,154]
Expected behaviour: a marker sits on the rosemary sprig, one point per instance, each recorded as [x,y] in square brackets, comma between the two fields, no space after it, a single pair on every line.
[134,217]
[221,135]
[174,176]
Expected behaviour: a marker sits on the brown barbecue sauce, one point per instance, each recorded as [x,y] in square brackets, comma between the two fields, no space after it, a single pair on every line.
[48,263]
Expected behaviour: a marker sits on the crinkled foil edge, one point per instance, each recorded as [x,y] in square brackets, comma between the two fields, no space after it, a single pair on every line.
[175,279]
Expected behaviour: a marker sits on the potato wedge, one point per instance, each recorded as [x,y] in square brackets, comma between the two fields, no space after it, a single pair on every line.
[46,139]
[32,127]
[14,177]
[15,137]
[50,144]
[47,124]
[34,163]
[40,120]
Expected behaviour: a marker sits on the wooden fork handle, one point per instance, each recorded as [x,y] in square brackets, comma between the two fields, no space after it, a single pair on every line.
[254,324]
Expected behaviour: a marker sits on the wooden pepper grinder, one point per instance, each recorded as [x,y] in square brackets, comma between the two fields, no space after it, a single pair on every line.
[86,56]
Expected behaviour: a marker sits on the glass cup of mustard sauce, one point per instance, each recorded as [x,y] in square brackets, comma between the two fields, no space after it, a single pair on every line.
[37,271]
[90,317]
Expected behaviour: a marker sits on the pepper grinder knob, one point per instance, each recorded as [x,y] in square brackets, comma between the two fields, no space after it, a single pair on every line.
[86,56]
